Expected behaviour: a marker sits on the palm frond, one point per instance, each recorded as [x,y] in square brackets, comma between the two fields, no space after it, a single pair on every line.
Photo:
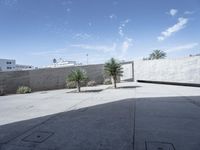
[157,54]
[77,75]
[113,68]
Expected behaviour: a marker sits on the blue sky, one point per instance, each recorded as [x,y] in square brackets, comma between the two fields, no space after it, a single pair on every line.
[36,31]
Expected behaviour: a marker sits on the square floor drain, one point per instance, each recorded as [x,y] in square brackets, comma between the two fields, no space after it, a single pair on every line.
[38,137]
[159,146]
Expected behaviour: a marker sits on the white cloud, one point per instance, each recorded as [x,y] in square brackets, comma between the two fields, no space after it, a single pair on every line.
[122,26]
[69,2]
[120,31]
[90,24]
[123,47]
[175,28]
[183,47]
[115,3]
[173,12]
[189,12]
[9,2]
[113,16]
[102,48]
[118,50]
[127,21]
[68,9]
[66,3]
[82,36]
[47,53]
[126,44]
[160,38]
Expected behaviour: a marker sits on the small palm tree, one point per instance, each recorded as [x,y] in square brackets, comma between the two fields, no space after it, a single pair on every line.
[157,54]
[77,76]
[113,69]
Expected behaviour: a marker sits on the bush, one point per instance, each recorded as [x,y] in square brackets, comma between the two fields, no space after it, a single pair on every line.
[71,85]
[107,81]
[91,83]
[84,83]
[23,90]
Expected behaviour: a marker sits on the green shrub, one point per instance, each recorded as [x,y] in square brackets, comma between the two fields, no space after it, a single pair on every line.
[107,81]
[84,83]
[23,90]
[91,83]
[71,84]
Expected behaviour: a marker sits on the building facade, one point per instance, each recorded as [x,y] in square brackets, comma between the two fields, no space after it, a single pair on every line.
[7,65]
[10,65]
[23,67]
[63,63]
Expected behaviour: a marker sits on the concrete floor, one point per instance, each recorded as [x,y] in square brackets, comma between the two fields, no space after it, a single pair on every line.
[136,116]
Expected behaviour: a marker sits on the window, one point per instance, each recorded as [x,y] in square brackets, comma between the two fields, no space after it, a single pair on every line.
[8,62]
[9,67]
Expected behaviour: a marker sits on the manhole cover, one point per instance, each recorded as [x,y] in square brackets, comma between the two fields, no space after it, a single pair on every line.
[38,137]
[159,146]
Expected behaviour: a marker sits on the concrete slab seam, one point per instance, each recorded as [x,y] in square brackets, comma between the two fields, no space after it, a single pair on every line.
[29,147]
[134,123]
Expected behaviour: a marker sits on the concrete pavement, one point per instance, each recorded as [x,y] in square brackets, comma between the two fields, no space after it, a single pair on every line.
[136,116]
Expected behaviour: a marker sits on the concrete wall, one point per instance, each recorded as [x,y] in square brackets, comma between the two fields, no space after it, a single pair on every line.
[185,70]
[9,81]
[45,79]
[128,71]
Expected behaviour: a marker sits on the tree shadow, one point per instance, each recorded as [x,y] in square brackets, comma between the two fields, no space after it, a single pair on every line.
[86,91]
[128,87]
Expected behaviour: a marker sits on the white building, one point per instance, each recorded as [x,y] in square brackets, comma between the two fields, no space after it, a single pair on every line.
[63,63]
[7,64]
[10,65]
[23,67]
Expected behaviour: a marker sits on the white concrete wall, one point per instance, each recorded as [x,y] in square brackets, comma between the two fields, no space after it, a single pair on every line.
[127,72]
[184,70]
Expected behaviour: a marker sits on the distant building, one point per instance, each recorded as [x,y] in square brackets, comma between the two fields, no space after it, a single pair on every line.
[7,64]
[63,63]
[194,55]
[10,65]
[23,67]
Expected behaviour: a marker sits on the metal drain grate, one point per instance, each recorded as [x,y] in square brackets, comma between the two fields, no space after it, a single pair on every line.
[159,146]
[38,136]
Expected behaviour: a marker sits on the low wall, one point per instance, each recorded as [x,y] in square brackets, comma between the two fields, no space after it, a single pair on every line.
[45,79]
[185,70]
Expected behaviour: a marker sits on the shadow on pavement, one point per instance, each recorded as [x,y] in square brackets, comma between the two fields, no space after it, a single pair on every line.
[128,87]
[85,91]
[121,125]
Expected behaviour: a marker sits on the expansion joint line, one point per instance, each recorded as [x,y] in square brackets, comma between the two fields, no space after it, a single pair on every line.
[134,122]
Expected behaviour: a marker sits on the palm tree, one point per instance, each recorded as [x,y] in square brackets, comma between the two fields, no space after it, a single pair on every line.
[157,54]
[77,76]
[113,69]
